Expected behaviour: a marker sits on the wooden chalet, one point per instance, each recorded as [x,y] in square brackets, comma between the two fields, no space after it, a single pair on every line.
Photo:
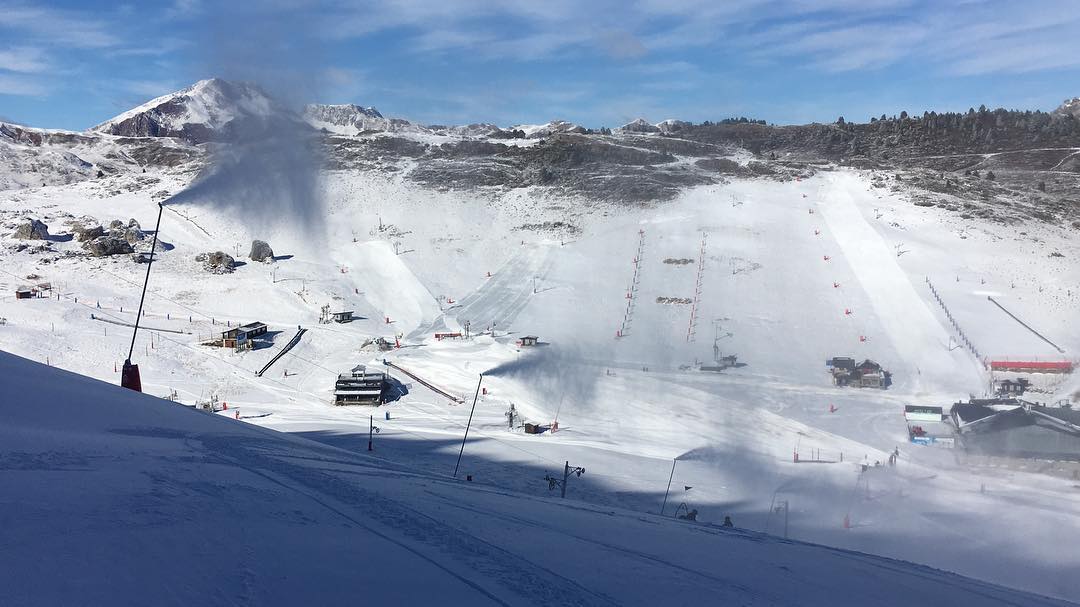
[239,338]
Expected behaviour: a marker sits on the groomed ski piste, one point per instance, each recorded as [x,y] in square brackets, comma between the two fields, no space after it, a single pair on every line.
[793,273]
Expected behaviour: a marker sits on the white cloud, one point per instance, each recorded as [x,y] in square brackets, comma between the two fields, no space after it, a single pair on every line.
[341,85]
[56,26]
[27,60]
[984,36]
[22,86]
[184,9]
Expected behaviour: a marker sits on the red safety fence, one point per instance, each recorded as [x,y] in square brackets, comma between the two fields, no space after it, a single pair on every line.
[1046,366]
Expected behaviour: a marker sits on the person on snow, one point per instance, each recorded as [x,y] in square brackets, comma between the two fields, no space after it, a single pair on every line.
[727,522]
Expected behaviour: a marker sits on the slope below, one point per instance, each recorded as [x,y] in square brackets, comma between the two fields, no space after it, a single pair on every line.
[118,498]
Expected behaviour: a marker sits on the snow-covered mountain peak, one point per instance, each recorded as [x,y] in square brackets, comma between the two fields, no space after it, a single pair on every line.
[639,125]
[351,119]
[342,114]
[195,113]
[536,131]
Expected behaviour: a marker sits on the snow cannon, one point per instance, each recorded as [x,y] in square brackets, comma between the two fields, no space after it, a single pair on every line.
[129,376]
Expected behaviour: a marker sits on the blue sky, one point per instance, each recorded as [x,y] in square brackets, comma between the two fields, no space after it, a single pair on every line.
[599,63]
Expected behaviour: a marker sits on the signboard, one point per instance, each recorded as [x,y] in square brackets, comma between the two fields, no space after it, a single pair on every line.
[922,413]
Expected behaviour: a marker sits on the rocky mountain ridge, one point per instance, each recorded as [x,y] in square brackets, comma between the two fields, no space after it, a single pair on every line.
[1034,157]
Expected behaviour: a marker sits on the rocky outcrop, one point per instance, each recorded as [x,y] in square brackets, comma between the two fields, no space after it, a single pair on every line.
[32,229]
[217,262]
[105,246]
[133,235]
[84,233]
[1071,107]
[261,251]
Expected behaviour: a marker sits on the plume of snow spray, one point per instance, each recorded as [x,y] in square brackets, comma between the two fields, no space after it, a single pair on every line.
[266,167]
[267,170]
[555,373]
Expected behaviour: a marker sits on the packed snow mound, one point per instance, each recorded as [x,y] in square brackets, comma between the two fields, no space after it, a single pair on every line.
[639,126]
[197,113]
[350,119]
[391,286]
[196,508]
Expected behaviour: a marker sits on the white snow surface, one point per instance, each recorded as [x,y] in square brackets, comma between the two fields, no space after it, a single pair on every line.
[626,406]
[118,498]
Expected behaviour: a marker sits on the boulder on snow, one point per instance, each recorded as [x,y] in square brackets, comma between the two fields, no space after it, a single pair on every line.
[143,246]
[133,235]
[32,229]
[104,246]
[217,262]
[261,251]
[116,224]
[84,233]
[134,224]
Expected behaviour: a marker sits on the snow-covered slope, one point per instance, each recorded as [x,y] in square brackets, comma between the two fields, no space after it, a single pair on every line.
[197,113]
[626,406]
[31,157]
[116,498]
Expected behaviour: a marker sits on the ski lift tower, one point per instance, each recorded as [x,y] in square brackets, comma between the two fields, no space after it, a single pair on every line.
[717,328]
[719,362]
